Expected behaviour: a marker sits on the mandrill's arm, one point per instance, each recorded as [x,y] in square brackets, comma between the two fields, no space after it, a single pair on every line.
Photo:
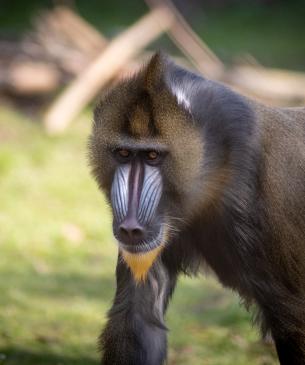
[135,333]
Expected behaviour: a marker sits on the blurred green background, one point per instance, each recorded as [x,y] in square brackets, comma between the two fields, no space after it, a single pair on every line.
[57,254]
[273,31]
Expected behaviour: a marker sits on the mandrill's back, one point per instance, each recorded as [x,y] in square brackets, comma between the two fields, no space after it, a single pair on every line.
[283,186]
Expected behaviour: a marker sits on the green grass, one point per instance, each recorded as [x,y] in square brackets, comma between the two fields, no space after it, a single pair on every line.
[57,260]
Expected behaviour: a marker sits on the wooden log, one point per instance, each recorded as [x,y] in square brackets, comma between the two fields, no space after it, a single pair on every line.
[31,78]
[68,39]
[112,59]
[276,86]
[79,30]
[202,57]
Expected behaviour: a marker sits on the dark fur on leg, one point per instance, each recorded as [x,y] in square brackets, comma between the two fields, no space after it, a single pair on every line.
[289,350]
[135,333]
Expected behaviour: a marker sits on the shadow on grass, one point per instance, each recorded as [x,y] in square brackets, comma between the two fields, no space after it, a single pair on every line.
[15,355]
[69,284]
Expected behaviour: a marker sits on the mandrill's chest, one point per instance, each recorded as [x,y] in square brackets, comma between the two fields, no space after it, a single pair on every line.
[227,255]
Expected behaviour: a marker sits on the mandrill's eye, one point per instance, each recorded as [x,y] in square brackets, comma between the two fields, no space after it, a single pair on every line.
[122,155]
[152,157]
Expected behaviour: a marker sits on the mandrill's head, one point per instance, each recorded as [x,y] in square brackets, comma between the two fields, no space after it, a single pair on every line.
[146,155]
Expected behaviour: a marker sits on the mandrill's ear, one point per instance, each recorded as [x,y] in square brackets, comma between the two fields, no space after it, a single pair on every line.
[161,73]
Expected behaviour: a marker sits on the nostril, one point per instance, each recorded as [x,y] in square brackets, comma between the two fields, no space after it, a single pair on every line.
[124,232]
[130,233]
[137,233]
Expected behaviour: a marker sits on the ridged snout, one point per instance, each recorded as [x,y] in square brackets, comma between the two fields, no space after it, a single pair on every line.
[135,196]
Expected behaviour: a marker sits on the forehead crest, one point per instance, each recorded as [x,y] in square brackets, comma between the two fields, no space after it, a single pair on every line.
[153,103]
[140,123]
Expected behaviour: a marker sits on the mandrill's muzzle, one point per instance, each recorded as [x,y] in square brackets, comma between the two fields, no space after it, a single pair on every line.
[135,197]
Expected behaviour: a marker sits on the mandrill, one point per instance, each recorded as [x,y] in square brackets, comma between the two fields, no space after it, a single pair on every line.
[196,175]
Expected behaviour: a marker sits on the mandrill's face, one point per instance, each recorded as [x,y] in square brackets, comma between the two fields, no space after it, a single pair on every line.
[137,154]
[138,216]
[139,221]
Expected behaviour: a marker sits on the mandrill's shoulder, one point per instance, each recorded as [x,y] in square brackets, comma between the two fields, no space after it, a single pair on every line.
[282,136]
[282,126]
[297,114]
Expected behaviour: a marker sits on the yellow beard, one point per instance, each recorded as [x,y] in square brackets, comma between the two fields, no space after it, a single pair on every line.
[140,264]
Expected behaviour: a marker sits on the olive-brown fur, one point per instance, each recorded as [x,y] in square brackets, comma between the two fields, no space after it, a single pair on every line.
[234,196]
